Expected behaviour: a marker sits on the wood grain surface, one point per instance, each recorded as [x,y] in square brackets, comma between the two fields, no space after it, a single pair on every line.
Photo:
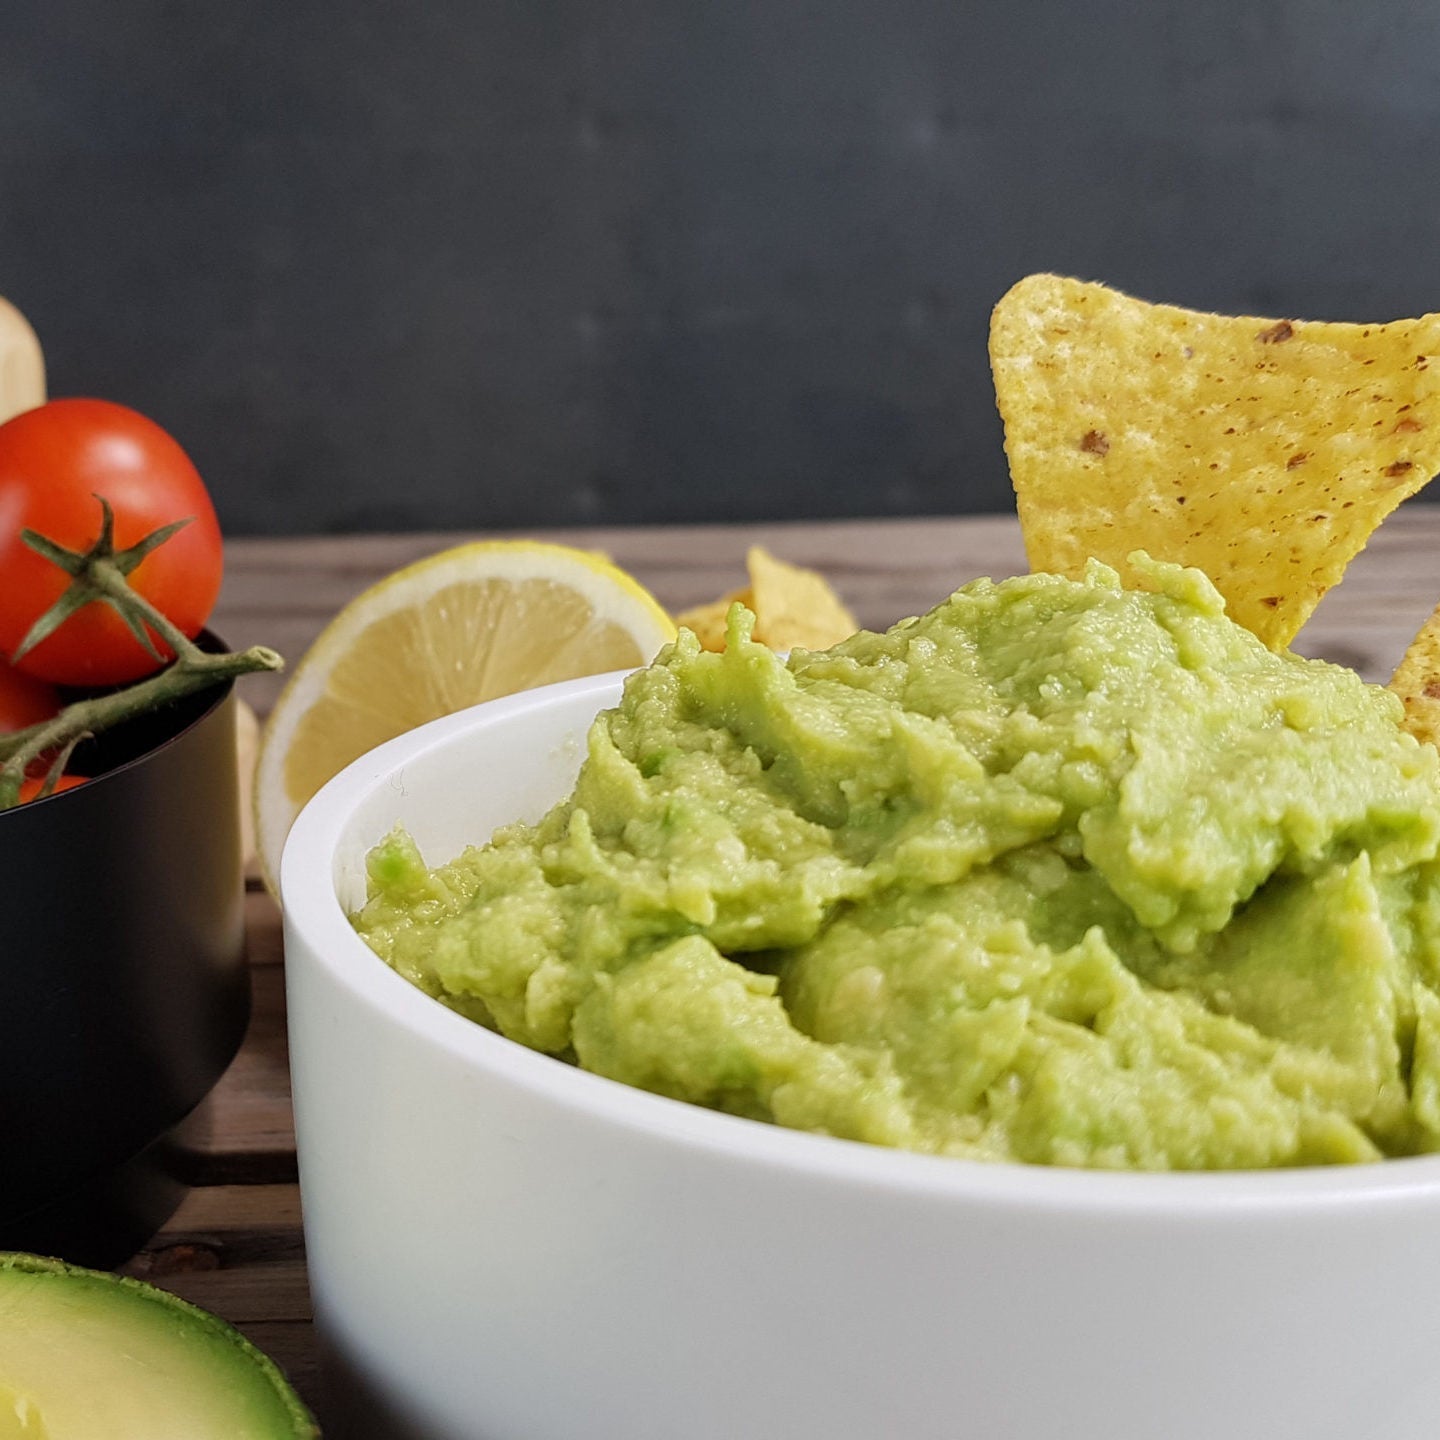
[235,1245]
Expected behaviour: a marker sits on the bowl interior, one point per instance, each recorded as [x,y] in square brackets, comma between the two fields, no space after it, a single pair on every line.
[507,762]
[452,782]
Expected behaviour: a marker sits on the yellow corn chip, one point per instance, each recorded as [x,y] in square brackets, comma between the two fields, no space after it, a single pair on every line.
[1417,682]
[708,621]
[794,607]
[1265,452]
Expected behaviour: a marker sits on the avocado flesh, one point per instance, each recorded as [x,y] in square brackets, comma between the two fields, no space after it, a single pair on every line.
[19,1418]
[89,1356]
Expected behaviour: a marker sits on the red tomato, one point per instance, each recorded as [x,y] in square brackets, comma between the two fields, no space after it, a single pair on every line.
[54,461]
[29,789]
[24,701]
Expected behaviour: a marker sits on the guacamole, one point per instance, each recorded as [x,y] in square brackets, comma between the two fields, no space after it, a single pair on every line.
[1061,872]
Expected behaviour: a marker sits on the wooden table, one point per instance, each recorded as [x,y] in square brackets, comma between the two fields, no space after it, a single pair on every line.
[235,1246]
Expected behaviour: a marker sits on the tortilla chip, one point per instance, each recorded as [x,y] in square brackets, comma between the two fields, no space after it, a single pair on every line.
[1265,452]
[708,621]
[795,608]
[1417,682]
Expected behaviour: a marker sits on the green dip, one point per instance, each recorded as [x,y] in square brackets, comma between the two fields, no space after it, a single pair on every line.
[1059,872]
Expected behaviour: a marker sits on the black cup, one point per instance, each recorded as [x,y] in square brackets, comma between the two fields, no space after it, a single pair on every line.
[123,988]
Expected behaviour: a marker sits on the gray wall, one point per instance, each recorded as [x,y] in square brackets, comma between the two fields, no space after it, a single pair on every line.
[453,263]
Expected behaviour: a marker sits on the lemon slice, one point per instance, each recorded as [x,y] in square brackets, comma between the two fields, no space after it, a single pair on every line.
[466,625]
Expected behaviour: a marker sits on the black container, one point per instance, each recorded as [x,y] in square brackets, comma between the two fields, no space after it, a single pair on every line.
[123,988]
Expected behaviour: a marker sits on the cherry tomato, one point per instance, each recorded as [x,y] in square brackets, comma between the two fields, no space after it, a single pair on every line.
[54,461]
[24,701]
[29,789]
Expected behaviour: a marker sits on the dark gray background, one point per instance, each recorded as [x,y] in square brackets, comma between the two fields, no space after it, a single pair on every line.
[525,262]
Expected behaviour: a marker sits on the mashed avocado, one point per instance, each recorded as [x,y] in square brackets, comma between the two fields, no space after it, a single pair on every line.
[1060,872]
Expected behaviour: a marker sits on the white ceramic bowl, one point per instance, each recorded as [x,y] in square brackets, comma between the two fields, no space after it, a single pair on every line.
[506,1248]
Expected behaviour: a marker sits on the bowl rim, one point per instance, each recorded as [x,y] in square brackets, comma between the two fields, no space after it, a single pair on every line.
[314,916]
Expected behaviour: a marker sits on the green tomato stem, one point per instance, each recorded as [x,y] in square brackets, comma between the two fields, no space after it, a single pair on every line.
[189,673]
[99,579]
[109,581]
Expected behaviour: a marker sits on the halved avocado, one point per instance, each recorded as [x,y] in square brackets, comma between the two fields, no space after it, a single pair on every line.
[90,1356]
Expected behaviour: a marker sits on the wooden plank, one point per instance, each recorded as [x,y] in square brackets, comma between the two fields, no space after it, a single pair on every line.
[247,1289]
[247,1135]
[233,1249]
[262,926]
